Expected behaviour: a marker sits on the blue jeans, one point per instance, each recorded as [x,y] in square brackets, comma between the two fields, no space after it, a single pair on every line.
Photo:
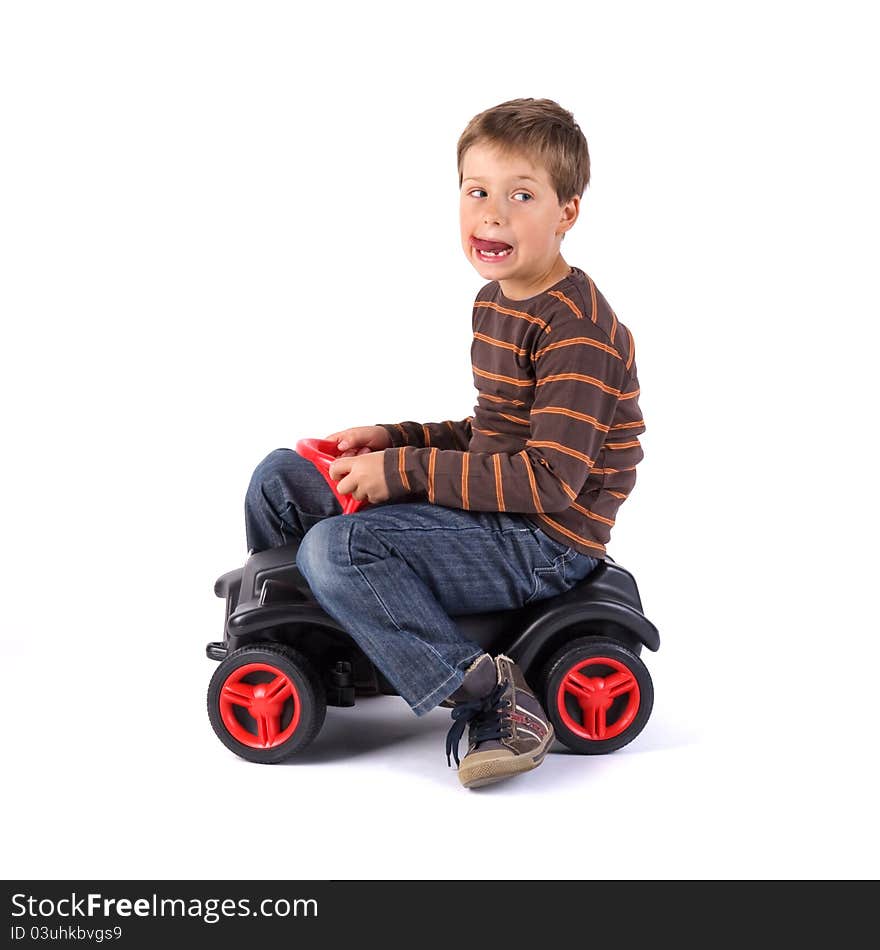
[394,575]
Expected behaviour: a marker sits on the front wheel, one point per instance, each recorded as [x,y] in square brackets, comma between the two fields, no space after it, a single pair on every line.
[266,702]
[598,695]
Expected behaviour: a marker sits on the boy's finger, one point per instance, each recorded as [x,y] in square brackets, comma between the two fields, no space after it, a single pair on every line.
[339,467]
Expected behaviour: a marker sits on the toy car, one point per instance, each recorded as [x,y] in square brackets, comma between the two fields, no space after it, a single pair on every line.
[283,659]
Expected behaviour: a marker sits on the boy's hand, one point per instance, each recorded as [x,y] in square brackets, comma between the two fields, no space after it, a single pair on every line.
[360,440]
[362,476]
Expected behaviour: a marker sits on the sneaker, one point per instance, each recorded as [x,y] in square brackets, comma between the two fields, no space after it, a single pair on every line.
[479,679]
[508,730]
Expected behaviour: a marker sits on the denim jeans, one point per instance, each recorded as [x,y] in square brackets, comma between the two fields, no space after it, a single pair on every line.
[394,575]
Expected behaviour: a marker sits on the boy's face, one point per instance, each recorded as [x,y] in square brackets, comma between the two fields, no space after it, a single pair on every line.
[508,199]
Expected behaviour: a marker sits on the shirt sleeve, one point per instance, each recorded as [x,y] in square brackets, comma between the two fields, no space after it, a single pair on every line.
[579,378]
[442,435]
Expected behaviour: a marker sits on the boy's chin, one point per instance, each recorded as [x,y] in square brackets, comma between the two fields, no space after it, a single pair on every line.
[490,269]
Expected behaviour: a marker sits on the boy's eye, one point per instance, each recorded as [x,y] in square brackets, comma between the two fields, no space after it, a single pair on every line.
[524,193]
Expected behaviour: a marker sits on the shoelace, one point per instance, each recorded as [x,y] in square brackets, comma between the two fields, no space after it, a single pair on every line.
[488,718]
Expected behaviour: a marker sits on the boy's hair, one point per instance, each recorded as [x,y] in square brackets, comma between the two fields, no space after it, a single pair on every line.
[540,129]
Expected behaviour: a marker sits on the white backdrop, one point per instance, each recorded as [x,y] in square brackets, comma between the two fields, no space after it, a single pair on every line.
[190,194]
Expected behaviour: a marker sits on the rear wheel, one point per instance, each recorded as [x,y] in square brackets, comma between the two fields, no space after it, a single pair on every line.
[598,695]
[266,702]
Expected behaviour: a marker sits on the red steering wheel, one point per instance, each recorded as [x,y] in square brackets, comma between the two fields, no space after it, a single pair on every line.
[321,453]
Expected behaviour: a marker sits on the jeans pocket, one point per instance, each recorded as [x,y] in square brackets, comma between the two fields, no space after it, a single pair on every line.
[549,578]
[564,566]
[550,548]
[548,581]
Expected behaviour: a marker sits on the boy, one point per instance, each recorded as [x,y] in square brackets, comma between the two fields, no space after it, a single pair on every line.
[506,507]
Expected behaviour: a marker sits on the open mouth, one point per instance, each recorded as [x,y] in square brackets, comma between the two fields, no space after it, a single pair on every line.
[491,250]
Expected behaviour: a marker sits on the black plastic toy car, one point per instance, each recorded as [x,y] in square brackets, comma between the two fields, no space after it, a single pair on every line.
[283,659]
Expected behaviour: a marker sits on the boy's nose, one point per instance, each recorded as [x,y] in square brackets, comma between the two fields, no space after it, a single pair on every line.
[491,215]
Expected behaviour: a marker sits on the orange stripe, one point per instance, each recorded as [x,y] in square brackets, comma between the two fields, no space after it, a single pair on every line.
[519,350]
[499,490]
[426,435]
[465,460]
[522,422]
[574,537]
[630,395]
[590,514]
[612,471]
[583,379]
[513,313]
[617,494]
[572,494]
[580,339]
[559,295]
[401,468]
[629,425]
[632,348]
[432,459]
[622,445]
[564,449]
[593,300]
[486,431]
[536,499]
[490,398]
[574,415]
[503,379]
[402,431]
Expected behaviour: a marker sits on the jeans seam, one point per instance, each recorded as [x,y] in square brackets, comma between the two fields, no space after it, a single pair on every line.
[423,530]
[557,567]
[565,560]
[424,700]
[537,573]
[387,611]
[302,512]
[368,582]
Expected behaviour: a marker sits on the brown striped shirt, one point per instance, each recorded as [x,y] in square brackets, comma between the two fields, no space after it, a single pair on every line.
[554,434]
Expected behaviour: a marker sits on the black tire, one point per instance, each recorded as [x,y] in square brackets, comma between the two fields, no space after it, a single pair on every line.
[287,724]
[607,717]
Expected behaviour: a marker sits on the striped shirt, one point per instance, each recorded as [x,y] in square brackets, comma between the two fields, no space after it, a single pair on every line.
[555,432]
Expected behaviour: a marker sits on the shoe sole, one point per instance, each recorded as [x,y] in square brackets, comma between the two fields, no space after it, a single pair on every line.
[494,770]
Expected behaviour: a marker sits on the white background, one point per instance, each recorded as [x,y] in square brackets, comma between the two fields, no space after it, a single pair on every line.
[191,194]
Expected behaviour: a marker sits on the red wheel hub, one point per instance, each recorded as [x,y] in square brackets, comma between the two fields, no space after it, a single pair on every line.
[271,702]
[605,696]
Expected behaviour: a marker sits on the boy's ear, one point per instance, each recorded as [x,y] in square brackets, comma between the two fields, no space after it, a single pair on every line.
[568,214]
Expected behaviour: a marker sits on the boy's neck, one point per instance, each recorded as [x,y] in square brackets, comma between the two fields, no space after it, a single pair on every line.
[514,290]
